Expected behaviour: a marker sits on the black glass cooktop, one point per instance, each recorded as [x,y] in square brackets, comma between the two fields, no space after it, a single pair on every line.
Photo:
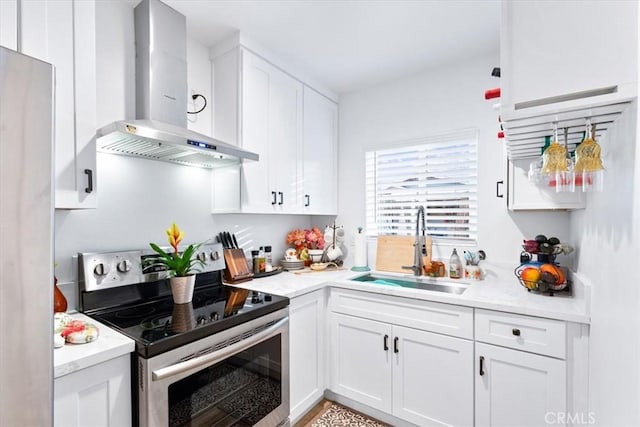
[160,325]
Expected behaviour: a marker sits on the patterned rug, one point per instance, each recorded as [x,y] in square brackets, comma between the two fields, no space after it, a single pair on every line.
[337,415]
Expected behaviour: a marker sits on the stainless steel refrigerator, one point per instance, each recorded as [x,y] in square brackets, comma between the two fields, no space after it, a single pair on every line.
[26,240]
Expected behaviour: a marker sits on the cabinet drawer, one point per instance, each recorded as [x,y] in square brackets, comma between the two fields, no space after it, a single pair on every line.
[533,334]
[419,314]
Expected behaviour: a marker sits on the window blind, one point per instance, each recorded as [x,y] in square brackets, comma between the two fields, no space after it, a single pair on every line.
[439,173]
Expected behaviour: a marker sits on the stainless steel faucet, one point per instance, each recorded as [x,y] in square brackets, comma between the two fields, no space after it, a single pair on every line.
[420,246]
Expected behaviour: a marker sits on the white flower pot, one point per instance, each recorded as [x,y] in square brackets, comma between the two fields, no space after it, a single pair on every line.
[182,288]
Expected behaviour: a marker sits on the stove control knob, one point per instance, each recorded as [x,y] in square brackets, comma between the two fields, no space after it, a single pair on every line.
[124,266]
[101,269]
[214,316]
[201,320]
[267,297]
[202,256]
[215,255]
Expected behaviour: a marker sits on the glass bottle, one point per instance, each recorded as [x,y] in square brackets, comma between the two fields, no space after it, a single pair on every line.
[255,263]
[455,265]
[261,260]
[268,259]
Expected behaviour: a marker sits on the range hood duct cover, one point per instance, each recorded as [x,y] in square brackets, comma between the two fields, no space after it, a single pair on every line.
[160,129]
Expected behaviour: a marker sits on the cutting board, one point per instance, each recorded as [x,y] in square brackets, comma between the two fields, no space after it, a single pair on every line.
[395,251]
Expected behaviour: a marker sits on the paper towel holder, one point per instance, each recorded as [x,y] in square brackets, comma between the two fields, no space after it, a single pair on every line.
[360,267]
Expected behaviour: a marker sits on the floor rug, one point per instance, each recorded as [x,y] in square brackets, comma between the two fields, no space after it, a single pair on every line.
[337,415]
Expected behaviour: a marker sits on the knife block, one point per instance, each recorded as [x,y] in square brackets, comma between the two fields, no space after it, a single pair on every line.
[236,268]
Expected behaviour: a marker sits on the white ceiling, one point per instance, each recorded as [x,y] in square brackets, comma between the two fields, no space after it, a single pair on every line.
[349,44]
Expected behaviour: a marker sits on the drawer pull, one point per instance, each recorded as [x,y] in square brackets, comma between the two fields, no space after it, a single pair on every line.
[386,342]
[481,365]
[516,332]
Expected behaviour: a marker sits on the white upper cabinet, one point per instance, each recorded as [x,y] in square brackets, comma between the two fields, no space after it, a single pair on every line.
[320,148]
[293,128]
[562,48]
[271,125]
[63,34]
[564,62]
[259,107]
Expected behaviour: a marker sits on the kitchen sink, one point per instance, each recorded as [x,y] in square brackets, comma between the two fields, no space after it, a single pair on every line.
[423,283]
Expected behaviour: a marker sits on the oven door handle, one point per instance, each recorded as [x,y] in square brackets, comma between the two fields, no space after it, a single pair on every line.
[217,356]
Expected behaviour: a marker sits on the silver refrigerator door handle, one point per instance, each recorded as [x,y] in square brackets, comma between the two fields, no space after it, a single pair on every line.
[217,356]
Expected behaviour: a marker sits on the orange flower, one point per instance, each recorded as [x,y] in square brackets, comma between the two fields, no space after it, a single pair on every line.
[175,236]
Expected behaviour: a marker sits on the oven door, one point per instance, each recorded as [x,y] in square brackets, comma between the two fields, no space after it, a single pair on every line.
[238,377]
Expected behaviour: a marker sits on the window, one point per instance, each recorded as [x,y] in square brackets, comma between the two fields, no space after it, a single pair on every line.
[439,173]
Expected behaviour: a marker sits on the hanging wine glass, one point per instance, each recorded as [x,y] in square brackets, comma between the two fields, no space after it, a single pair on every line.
[589,169]
[554,159]
[565,179]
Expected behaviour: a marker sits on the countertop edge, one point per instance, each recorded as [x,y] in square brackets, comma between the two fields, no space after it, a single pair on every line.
[490,294]
[75,357]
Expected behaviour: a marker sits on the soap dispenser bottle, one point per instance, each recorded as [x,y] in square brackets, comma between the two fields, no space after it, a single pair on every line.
[455,265]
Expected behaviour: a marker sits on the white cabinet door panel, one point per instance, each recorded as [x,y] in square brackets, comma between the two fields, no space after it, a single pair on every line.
[360,364]
[320,177]
[307,347]
[514,388]
[96,396]
[432,378]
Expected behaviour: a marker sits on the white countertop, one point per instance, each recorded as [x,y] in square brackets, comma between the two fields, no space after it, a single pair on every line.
[499,291]
[74,357]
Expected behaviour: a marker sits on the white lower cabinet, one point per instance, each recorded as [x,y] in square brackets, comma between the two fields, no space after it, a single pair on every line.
[521,369]
[514,388]
[429,363]
[307,350]
[96,396]
[422,377]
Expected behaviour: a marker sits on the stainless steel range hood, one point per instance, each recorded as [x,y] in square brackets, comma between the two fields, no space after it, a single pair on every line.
[160,129]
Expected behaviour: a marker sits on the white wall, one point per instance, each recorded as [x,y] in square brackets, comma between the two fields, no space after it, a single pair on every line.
[137,198]
[607,234]
[443,100]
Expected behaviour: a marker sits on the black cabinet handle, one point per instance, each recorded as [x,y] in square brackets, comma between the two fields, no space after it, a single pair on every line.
[307,200]
[395,345]
[498,193]
[516,332]
[386,342]
[481,365]
[273,194]
[281,194]
[89,187]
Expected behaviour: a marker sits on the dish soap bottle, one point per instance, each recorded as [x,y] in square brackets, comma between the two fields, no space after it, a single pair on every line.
[455,266]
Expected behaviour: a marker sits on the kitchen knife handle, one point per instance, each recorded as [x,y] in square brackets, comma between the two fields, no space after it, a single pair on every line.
[235,241]
[498,194]
[89,188]
[386,343]
[273,201]
[481,366]
[395,345]
[307,200]
[281,194]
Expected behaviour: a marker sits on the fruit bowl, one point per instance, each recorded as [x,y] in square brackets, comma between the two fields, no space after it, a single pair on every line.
[541,277]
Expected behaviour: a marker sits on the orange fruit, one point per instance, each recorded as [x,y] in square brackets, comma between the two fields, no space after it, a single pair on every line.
[555,271]
[530,277]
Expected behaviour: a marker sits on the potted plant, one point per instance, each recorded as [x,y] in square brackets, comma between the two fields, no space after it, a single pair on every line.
[180,266]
